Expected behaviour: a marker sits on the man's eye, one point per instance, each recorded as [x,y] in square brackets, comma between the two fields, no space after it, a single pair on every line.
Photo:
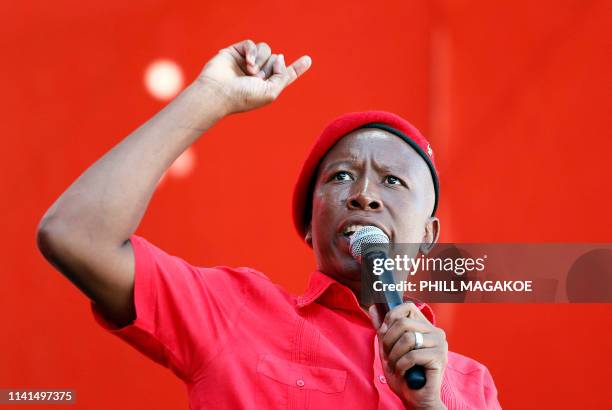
[342,176]
[391,180]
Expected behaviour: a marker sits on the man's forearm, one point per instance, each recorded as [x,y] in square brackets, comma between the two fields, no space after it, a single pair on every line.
[107,202]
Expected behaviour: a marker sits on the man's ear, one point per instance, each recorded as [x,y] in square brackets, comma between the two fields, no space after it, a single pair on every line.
[308,236]
[430,237]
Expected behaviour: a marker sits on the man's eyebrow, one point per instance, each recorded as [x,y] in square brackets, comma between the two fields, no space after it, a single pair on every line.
[401,169]
[337,164]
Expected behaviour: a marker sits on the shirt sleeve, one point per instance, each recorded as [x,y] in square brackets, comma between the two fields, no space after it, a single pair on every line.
[490,391]
[468,384]
[183,313]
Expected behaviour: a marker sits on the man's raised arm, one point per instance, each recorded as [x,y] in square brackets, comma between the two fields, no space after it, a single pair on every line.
[85,232]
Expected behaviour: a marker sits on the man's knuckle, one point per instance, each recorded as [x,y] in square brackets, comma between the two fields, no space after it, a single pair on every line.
[394,315]
[443,333]
[403,364]
[407,338]
[405,323]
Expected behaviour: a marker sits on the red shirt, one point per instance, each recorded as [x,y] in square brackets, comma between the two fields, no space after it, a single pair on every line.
[239,341]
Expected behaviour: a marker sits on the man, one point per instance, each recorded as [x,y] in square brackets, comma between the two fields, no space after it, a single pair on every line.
[233,337]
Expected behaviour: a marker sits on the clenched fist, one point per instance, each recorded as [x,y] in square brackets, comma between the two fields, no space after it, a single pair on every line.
[247,75]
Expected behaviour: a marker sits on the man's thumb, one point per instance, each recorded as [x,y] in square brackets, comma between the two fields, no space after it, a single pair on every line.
[376,320]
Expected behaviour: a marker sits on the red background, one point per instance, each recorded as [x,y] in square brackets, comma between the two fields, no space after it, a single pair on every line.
[514,98]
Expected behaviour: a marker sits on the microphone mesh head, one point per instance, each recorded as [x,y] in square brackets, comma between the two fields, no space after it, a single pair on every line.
[367,235]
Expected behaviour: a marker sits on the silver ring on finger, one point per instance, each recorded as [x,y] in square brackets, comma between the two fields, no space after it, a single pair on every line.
[418,337]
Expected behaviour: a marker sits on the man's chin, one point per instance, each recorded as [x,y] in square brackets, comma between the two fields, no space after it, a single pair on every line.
[346,271]
[340,264]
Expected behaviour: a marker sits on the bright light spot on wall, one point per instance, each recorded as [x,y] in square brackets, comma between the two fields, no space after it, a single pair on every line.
[184,164]
[163,79]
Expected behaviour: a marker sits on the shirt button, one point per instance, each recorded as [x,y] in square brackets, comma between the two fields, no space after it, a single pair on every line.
[300,382]
[382,379]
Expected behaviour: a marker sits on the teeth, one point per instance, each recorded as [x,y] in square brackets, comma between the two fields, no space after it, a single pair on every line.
[351,229]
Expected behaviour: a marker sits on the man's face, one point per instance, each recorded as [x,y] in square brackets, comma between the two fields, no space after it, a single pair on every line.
[370,177]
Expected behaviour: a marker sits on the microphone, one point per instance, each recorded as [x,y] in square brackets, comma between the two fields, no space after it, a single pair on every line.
[367,244]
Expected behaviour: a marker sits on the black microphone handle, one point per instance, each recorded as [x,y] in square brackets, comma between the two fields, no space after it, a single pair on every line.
[415,376]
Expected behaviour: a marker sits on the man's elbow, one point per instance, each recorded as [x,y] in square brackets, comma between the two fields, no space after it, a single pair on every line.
[48,238]
[57,240]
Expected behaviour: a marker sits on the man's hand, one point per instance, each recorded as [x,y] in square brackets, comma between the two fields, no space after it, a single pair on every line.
[247,76]
[397,354]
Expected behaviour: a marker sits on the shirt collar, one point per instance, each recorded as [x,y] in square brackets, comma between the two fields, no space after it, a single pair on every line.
[328,292]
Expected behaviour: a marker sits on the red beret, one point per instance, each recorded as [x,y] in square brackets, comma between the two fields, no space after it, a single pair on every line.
[338,128]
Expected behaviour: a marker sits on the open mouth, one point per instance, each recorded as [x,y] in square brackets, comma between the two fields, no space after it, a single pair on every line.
[349,230]
[350,227]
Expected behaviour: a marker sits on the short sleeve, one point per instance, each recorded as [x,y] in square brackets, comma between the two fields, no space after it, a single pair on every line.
[183,313]
[490,391]
[468,384]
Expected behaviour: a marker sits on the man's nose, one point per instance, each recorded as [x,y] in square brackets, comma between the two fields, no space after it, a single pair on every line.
[364,199]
